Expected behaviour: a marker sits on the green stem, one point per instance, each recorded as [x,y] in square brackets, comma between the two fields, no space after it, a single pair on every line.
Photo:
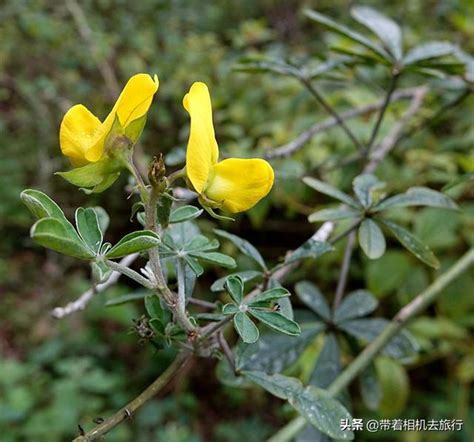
[180,173]
[127,412]
[383,109]
[417,305]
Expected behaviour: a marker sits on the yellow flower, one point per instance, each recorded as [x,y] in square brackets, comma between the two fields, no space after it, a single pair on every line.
[233,184]
[82,136]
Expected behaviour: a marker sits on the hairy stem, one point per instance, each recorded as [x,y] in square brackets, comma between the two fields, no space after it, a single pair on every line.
[127,412]
[417,305]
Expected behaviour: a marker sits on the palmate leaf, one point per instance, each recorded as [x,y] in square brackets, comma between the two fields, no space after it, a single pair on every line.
[402,346]
[412,243]
[427,51]
[215,258]
[371,239]
[314,404]
[274,352]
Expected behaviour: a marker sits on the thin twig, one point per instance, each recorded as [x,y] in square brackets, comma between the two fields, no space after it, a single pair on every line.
[296,144]
[383,109]
[181,305]
[127,412]
[203,304]
[226,350]
[341,285]
[391,139]
[328,108]
[417,305]
[81,302]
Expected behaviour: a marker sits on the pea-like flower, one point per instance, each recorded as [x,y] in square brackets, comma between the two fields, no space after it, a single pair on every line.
[234,184]
[82,136]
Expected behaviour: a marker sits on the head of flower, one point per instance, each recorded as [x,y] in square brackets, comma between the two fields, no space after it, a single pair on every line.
[99,150]
[234,184]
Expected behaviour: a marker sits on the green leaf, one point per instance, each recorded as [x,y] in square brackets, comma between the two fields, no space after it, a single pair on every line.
[235,287]
[426,51]
[322,411]
[283,387]
[332,214]
[270,295]
[312,297]
[53,234]
[328,364]
[245,327]
[153,306]
[215,258]
[370,389]
[417,196]
[395,386]
[103,218]
[40,204]
[412,244]
[230,309]
[371,239]
[314,404]
[184,213]
[244,246]
[402,346]
[246,275]
[194,265]
[124,299]
[273,352]
[87,224]
[309,249]
[134,242]
[348,33]
[384,28]
[365,186]
[354,305]
[331,191]
[276,321]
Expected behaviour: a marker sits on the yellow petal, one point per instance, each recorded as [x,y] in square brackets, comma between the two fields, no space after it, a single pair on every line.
[239,184]
[133,103]
[78,130]
[202,152]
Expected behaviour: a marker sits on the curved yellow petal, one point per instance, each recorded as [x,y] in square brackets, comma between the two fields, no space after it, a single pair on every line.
[202,152]
[133,103]
[239,184]
[78,130]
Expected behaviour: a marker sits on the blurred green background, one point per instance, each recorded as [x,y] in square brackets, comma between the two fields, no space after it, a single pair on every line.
[55,374]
